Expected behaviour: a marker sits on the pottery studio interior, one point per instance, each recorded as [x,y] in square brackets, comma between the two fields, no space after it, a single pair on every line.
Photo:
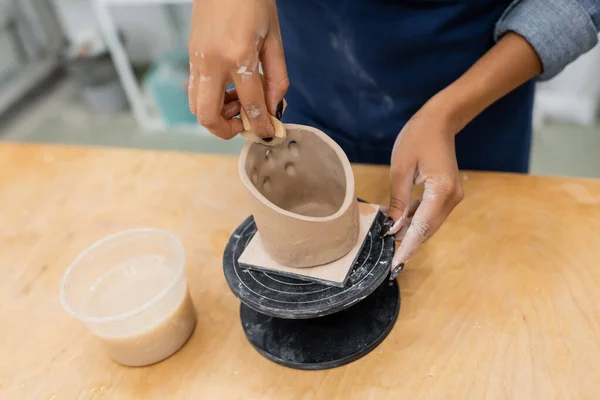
[299,199]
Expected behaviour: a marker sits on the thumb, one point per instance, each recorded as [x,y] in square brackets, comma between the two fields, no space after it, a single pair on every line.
[401,181]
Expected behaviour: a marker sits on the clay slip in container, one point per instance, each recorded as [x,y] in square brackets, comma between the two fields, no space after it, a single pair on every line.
[302,197]
[130,291]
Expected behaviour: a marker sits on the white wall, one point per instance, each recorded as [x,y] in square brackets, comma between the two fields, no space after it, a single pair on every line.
[574,94]
[146,28]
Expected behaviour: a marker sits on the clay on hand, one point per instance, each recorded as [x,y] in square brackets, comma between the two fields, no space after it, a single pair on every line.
[302,197]
[280,133]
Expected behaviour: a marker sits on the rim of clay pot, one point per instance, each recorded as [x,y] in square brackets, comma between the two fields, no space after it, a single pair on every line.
[349,175]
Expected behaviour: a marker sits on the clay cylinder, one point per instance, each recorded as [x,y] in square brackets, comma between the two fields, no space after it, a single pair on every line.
[302,197]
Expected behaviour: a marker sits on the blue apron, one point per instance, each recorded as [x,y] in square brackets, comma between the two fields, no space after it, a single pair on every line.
[359,69]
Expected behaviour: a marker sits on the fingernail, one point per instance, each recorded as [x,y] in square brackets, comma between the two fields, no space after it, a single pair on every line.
[279,112]
[396,271]
[387,225]
[396,227]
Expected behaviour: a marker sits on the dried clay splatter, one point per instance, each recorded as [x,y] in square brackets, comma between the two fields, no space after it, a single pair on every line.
[244,72]
[253,112]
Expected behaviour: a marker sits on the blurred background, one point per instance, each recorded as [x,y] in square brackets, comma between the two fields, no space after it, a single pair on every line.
[113,73]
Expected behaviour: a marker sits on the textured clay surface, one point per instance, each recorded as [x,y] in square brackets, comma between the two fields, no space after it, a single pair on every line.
[302,194]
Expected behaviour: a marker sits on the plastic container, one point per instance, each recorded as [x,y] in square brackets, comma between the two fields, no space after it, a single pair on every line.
[131,292]
[166,83]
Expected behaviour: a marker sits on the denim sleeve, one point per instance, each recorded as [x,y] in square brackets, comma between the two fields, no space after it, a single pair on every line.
[558,30]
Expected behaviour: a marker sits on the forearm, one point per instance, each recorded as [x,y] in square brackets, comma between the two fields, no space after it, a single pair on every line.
[506,66]
[536,38]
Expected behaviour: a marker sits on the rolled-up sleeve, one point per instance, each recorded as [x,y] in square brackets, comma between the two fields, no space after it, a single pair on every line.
[558,30]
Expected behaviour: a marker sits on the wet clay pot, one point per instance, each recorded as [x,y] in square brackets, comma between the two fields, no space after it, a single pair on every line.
[302,197]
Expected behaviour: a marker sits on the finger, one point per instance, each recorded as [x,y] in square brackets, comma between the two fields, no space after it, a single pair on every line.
[399,236]
[412,208]
[277,81]
[232,105]
[231,95]
[250,92]
[231,109]
[209,106]
[399,228]
[401,188]
[438,201]
[192,89]
[405,219]
[385,209]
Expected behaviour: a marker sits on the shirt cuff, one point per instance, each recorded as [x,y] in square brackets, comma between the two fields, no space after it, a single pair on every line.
[558,30]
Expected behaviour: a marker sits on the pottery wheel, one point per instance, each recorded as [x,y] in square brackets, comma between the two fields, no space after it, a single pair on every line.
[307,325]
[290,298]
[326,342]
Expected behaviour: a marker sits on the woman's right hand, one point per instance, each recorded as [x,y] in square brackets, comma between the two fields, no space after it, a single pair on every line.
[228,39]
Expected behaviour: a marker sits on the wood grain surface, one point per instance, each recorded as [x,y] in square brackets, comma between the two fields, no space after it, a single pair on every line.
[503,303]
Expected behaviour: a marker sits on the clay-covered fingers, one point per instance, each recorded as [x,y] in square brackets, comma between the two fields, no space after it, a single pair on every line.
[399,229]
[227,38]
[232,105]
[231,95]
[439,199]
[277,81]
[231,110]
[401,179]
[210,109]
[249,88]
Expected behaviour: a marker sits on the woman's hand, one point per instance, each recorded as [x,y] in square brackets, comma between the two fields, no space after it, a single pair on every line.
[424,151]
[423,154]
[228,39]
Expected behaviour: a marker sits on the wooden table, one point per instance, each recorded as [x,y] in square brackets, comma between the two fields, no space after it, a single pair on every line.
[503,303]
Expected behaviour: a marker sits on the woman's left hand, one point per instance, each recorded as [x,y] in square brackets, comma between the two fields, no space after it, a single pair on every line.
[423,153]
